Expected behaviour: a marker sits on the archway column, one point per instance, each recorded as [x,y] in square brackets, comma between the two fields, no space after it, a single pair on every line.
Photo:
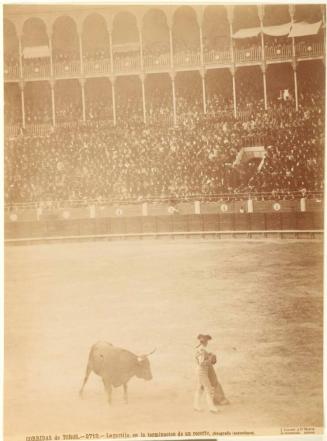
[264,77]
[201,45]
[171,47]
[50,50]
[22,98]
[139,27]
[113,98]
[233,73]
[323,14]
[80,42]
[20,53]
[261,14]
[82,83]
[291,9]
[232,69]
[111,50]
[230,17]
[204,95]
[142,78]
[199,18]
[172,77]
[294,66]
[53,102]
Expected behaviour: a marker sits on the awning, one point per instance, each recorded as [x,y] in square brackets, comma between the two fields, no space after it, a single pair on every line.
[247,33]
[301,29]
[278,30]
[36,52]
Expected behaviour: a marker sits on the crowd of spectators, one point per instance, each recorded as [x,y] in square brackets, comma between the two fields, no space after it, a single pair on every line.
[66,55]
[96,54]
[68,108]
[132,161]
[38,111]
[11,61]
[12,111]
[157,48]
[95,160]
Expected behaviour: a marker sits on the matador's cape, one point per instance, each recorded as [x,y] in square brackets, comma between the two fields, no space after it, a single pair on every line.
[218,392]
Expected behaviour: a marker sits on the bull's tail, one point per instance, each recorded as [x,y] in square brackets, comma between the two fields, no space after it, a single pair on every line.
[89,368]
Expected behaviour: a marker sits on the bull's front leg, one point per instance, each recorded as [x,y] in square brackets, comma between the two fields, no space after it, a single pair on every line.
[125,393]
[108,389]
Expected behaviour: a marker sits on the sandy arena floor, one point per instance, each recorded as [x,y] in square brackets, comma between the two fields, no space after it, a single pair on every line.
[260,300]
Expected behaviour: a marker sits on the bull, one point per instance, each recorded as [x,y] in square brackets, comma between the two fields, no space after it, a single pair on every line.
[116,366]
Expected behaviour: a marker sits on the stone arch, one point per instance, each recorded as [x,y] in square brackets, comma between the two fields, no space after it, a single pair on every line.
[245,16]
[9,24]
[155,32]
[53,19]
[276,14]
[185,29]
[95,37]
[308,12]
[124,27]
[65,42]
[86,15]
[34,32]
[215,28]
[10,42]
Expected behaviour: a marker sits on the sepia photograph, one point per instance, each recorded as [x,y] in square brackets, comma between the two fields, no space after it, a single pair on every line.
[163,182]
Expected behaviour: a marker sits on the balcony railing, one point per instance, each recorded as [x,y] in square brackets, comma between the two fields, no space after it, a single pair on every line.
[97,67]
[278,53]
[131,63]
[160,119]
[250,55]
[38,129]
[220,115]
[152,62]
[12,131]
[11,72]
[66,69]
[37,70]
[188,59]
[127,64]
[308,50]
[69,124]
[217,57]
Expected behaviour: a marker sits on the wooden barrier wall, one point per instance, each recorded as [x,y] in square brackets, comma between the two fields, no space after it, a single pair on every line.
[165,224]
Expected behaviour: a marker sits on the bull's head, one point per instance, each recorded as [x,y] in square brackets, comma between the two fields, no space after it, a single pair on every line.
[144,369]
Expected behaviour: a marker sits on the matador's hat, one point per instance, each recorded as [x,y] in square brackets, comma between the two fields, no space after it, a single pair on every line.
[204,338]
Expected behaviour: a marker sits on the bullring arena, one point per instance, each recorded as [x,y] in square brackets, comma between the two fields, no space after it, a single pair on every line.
[261,300]
[160,183]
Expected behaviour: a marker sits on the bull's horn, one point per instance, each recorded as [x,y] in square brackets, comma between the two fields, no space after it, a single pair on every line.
[150,353]
[143,356]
